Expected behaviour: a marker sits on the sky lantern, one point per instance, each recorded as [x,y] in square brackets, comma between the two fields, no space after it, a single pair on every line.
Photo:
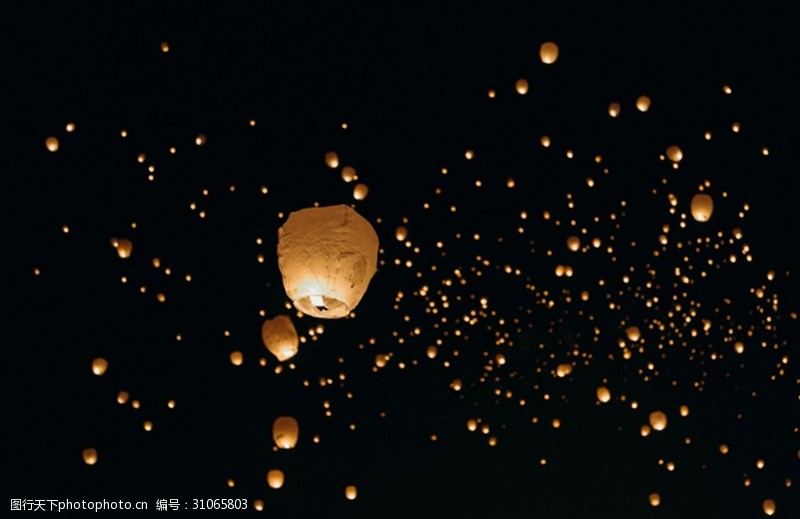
[99,366]
[613,109]
[285,431]
[280,337]
[332,160]
[124,247]
[702,207]
[350,492]
[633,333]
[548,52]
[401,233]
[522,86]
[275,478]
[655,499]
[90,456]
[348,173]
[603,394]
[573,243]
[360,191]
[52,144]
[643,103]
[658,420]
[327,257]
[769,506]
[674,153]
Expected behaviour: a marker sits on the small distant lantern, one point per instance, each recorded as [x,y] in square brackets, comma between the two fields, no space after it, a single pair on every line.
[52,144]
[613,109]
[360,191]
[124,247]
[643,103]
[90,456]
[658,420]
[633,333]
[285,431]
[348,173]
[401,233]
[332,160]
[674,153]
[562,370]
[280,337]
[275,478]
[350,492]
[548,52]
[603,394]
[522,86]
[573,243]
[236,358]
[327,257]
[702,207]
[99,366]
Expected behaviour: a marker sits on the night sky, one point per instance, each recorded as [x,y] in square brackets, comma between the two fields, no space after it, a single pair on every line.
[194,130]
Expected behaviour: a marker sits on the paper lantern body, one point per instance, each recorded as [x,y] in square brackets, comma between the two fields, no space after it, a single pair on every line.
[285,431]
[702,207]
[275,478]
[548,52]
[327,257]
[280,337]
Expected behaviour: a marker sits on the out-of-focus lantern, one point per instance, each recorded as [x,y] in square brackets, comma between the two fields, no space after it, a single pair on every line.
[350,492]
[348,174]
[52,144]
[562,370]
[124,247]
[280,337]
[99,366]
[769,506]
[360,191]
[573,243]
[613,109]
[655,499]
[603,394]
[401,233]
[285,431]
[332,160]
[658,420]
[643,103]
[90,456]
[702,207]
[327,257]
[275,478]
[633,333]
[674,153]
[548,52]
[522,86]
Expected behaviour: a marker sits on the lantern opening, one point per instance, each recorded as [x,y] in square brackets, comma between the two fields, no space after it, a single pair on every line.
[318,303]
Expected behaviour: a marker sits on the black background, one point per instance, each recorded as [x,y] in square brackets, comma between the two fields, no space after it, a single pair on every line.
[410,81]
